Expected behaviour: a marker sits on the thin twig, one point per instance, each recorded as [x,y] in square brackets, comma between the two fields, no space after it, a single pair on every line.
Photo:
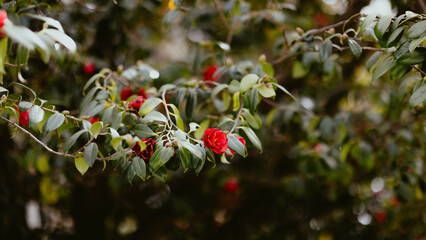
[221,15]
[90,140]
[13,65]
[124,151]
[418,69]
[237,118]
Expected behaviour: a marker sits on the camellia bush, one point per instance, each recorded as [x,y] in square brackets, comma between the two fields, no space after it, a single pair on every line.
[95,93]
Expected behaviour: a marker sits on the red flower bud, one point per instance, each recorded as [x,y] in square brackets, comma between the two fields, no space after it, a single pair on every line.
[216,140]
[88,68]
[126,93]
[209,72]
[23,117]
[3,17]
[93,120]
[135,104]
[147,152]
[231,185]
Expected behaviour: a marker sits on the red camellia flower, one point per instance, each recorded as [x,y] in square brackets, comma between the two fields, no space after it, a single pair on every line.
[231,185]
[209,72]
[88,68]
[215,140]
[23,117]
[141,92]
[126,93]
[242,140]
[3,17]
[93,120]
[136,103]
[147,152]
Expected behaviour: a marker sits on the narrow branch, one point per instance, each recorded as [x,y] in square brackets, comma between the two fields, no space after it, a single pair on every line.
[418,69]
[13,65]
[91,140]
[237,118]
[124,151]
[221,15]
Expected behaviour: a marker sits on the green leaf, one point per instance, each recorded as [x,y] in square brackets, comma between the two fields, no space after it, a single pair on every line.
[117,120]
[399,70]
[140,167]
[25,87]
[250,100]
[252,137]
[266,92]
[418,96]
[248,81]
[24,106]
[193,127]
[90,153]
[53,122]
[81,165]
[415,43]
[372,60]
[355,48]
[395,23]
[382,25]
[154,116]
[36,114]
[367,22]
[199,133]
[160,157]
[191,103]
[143,131]
[236,145]
[192,148]
[24,36]
[2,89]
[115,142]
[383,67]
[412,59]
[95,128]
[417,29]
[93,108]
[268,69]
[178,118]
[395,36]
[284,90]
[62,38]
[3,55]
[131,173]
[149,105]
[160,174]
[236,101]
[325,51]
[254,121]
[401,50]
[49,21]
[71,141]
[218,89]
[197,164]
[185,157]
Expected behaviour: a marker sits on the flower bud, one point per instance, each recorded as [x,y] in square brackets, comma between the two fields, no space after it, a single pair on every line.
[299,30]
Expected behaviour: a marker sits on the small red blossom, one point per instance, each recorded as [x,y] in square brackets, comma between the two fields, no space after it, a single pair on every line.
[92,120]
[231,185]
[126,93]
[242,140]
[216,140]
[147,152]
[3,17]
[88,68]
[136,103]
[23,117]
[381,217]
[209,72]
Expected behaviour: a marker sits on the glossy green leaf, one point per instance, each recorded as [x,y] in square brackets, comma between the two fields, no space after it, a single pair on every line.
[3,55]
[383,67]
[191,103]
[72,140]
[284,90]
[236,145]
[248,81]
[218,89]
[90,153]
[382,25]
[95,128]
[367,22]
[326,50]
[417,29]
[418,96]
[250,100]
[413,44]
[252,137]
[154,116]
[199,133]
[160,174]
[62,38]
[401,50]
[81,165]
[355,48]
[36,114]
[266,92]
[140,167]
[149,105]
[253,120]
[143,131]
[395,36]
[372,60]
[159,158]
[116,142]
[185,157]
[268,69]
[192,148]
[53,122]
[24,106]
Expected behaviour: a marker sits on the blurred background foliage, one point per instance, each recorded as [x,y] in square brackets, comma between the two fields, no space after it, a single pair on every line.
[348,163]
